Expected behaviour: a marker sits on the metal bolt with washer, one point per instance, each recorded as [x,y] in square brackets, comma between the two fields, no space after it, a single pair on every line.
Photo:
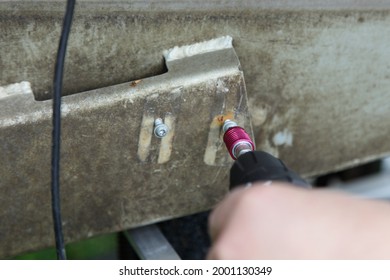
[160,129]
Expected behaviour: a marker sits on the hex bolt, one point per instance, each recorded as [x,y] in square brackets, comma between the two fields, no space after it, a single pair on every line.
[160,129]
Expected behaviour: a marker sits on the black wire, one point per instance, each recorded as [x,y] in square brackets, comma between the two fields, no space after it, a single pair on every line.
[56,140]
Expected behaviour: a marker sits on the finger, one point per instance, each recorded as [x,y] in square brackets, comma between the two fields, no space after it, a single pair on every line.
[222,212]
[211,254]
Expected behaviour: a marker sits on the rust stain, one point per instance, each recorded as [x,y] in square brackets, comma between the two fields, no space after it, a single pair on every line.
[135,83]
[219,119]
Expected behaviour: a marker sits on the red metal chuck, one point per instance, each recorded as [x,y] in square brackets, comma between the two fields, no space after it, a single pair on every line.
[236,139]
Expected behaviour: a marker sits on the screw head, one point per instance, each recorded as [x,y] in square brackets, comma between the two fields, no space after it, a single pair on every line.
[161,130]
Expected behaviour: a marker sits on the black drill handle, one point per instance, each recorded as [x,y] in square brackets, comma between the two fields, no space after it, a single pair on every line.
[261,166]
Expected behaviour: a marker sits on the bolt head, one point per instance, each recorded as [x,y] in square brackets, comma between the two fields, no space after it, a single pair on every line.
[161,131]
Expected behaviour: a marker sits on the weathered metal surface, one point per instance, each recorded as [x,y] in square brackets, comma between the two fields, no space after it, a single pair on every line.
[317,74]
[115,173]
[307,63]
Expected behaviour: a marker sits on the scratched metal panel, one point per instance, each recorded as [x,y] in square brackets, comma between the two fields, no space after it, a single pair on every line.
[317,75]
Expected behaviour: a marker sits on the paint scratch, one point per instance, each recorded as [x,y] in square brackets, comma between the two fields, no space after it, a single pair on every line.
[166,142]
[145,137]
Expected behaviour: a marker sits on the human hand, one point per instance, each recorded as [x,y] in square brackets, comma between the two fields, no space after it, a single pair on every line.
[282,221]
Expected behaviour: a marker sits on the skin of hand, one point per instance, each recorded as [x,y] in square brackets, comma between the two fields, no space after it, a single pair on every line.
[281,221]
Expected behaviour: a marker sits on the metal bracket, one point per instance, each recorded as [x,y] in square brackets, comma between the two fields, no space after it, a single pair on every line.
[115,173]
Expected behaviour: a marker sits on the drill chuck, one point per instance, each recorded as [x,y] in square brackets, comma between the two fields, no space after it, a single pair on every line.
[236,139]
[250,165]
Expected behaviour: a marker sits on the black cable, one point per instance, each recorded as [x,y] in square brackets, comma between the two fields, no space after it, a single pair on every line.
[56,137]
